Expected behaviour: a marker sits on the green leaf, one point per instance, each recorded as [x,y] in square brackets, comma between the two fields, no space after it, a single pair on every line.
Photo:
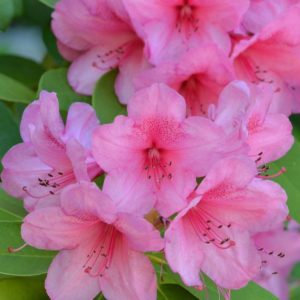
[21,69]
[172,292]
[8,10]
[28,261]
[56,81]
[11,209]
[9,131]
[12,90]
[290,180]
[104,99]
[50,42]
[23,288]
[36,12]
[295,294]
[50,3]
[252,291]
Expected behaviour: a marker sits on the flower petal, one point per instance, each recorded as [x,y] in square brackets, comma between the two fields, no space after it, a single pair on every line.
[130,275]
[116,146]
[81,122]
[49,228]
[183,251]
[86,201]
[157,101]
[67,280]
[140,234]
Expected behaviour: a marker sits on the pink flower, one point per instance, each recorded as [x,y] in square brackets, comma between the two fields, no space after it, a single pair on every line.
[213,233]
[244,110]
[100,249]
[198,78]
[280,250]
[157,152]
[52,155]
[186,24]
[97,36]
[272,58]
[262,12]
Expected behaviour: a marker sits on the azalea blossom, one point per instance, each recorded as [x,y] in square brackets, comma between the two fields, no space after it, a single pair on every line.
[279,250]
[97,36]
[186,24]
[198,77]
[213,233]
[52,155]
[262,12]
[100,248]
[245,111]
[157,151]
[272,58]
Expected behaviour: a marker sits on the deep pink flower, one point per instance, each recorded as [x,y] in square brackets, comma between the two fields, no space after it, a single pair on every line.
[97,36]
[244,111]
[157,152]
[52,155]
[213,234]
[280,250]
[199,78]
[169,28]
[100,249]
[272,58]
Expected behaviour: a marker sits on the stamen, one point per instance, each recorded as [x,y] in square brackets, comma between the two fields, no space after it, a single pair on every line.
[209,231]
[14,250]
[101,254]
[156,167]
[267,176]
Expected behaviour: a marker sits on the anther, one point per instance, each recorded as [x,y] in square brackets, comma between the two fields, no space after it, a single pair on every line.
[14,250]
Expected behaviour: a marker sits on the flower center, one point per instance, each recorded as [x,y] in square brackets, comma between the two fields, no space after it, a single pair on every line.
[100,256]
[186,19]
[157,167]
[55,181]
[209,229]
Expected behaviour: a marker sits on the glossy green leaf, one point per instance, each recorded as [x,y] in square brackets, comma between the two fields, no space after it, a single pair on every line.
[295,293]
[50,3]
[36,12]
[27,262]
[56,81]
[105,100]
[8,10]
[50,42]
[290,179]
[21,69]
[11,209]
[12,90]
[172,292]
[23,288]
[9,131]
[252,291]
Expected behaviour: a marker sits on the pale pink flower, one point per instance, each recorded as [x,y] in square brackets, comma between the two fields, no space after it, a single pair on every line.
[244,110]
[280,250]
[157,152]
[213,234]
[169,28]
[100,249]
[52,155]
[97,36]
[262,12]
[272,57]
[198,77]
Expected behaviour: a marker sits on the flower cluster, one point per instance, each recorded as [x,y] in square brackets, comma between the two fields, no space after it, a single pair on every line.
[209,86]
